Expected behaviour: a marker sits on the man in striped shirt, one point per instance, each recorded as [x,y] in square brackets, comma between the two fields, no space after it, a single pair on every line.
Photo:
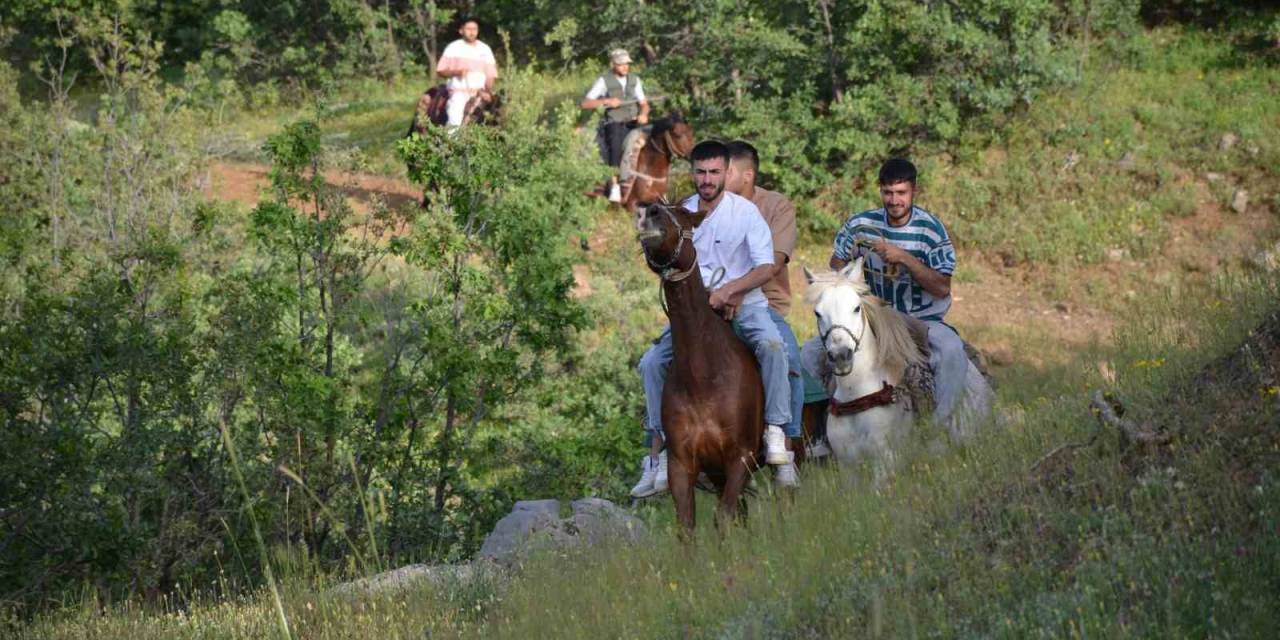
[915,243]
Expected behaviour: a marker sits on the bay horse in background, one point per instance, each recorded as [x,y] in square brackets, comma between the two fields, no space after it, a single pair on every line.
[482,108]
[713,399]
[644,178]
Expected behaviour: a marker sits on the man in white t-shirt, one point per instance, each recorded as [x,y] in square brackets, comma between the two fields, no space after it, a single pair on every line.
[735,247]
[470,67]
[621,94]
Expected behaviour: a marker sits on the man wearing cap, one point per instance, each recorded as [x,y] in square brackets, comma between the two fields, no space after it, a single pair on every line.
[470,67]
[625,107]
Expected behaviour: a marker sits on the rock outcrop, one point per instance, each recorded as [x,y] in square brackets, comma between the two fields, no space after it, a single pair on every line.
[532,525]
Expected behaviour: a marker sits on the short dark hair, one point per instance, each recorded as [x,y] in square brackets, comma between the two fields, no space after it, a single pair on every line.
[897,170]
[742,150]
[709,150]
[465,19]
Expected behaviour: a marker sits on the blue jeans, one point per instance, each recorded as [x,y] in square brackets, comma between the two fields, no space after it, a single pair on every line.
[950,367]
[794,378]
[755,326]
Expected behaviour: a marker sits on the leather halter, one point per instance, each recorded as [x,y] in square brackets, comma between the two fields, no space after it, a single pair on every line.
[857,342]
[883,397]
[665,269]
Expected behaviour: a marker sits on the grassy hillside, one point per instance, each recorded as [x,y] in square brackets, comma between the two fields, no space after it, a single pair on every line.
[1098,252]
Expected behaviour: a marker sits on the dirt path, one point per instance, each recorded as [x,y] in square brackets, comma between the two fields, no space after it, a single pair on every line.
[245,182]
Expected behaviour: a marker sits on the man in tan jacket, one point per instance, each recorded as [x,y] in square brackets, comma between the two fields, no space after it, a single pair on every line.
[780,214]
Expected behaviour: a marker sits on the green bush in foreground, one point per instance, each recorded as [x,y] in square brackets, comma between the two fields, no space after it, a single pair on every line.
[976,541]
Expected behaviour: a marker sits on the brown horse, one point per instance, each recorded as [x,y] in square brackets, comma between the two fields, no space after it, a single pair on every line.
[713,400]
[482,108]
[647,183]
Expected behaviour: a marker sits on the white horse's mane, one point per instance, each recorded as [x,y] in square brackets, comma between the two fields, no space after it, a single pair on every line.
[897,349]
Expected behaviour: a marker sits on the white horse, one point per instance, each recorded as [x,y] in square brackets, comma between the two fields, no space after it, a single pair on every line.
[866,347]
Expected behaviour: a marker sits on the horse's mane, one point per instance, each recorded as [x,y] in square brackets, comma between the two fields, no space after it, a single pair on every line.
[662,125]
[897,349]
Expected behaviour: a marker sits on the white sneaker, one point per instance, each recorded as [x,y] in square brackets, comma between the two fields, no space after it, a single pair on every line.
[817,449]
[615,193]
[785,474]
[775,445]
[660,474]
[648,471]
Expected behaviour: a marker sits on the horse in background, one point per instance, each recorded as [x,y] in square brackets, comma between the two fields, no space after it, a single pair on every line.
[646,161]
[867,347]
[713,399]
[482,108]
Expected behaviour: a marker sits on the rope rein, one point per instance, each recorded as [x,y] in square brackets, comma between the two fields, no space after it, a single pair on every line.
[891,271]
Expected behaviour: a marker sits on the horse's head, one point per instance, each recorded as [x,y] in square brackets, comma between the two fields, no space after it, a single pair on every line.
[837,300]
[482,108]
[681,137]
[665,232]
[856,326]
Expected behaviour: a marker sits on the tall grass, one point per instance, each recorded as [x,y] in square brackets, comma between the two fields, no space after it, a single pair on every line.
[968,541]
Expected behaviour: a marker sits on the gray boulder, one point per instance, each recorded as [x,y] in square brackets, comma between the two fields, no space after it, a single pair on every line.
[440,575]
[536,524]
[595,520]
[530,523]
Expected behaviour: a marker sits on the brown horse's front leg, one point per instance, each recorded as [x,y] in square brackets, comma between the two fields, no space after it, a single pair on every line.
[681,479]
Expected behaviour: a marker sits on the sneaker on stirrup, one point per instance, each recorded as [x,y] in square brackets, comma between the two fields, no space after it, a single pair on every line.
[785,475]
[648,471]
[660,474]
[775,445]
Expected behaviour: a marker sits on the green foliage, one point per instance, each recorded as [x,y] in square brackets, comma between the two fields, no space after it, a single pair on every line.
[392,380]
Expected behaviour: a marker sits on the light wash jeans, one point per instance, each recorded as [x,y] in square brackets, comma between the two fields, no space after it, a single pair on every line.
[950,367]
[755,326]
[794,378]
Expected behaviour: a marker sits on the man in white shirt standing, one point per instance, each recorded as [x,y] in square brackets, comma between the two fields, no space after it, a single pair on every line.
[621,94]
[470,67]
[735,257]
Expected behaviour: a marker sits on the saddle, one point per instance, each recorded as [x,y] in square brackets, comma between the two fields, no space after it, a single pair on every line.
[631,146]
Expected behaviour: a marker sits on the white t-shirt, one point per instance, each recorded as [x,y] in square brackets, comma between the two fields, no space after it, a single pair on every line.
[733,236]
[476,61]
[598,90]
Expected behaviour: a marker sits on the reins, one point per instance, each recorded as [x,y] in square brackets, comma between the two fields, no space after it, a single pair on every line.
[667,272]
[891,271]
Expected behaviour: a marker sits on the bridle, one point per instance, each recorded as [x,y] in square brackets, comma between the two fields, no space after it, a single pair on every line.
[857,340]
[668,146]
[888,394]
[666,269]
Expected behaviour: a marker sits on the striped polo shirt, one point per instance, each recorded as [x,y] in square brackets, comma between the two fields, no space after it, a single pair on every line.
[924,237]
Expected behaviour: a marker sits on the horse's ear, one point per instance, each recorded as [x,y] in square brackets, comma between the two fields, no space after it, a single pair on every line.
[695,217]
[808,276]
[853,272]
